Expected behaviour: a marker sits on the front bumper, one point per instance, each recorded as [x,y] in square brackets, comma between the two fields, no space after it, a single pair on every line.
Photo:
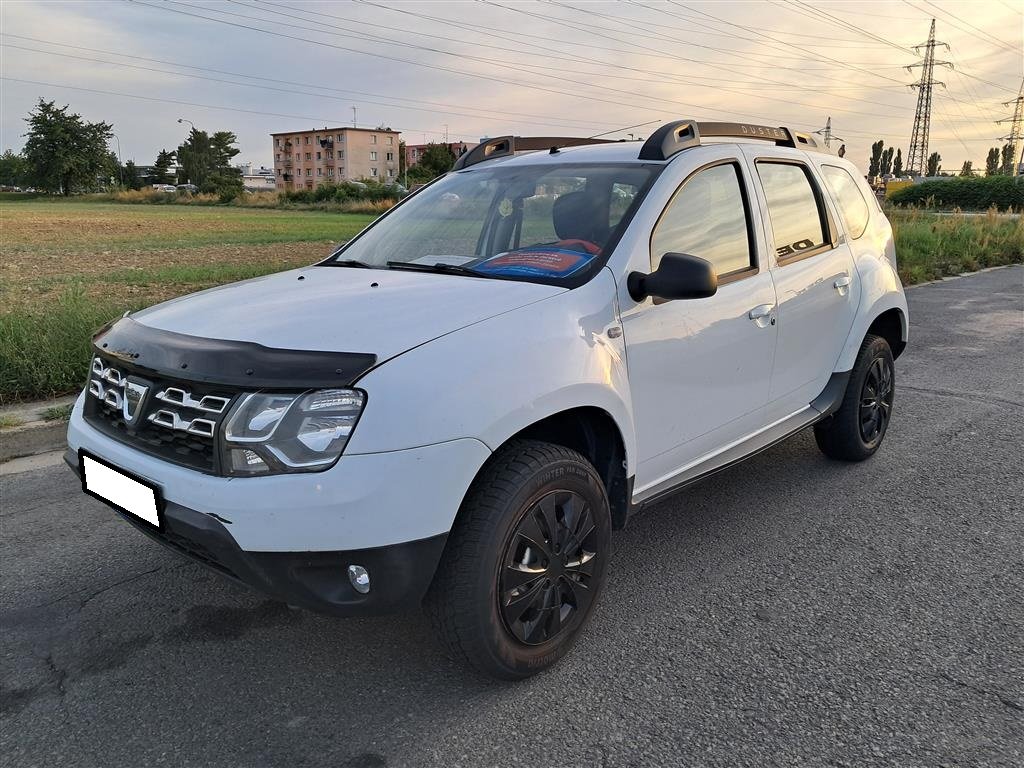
[399,573]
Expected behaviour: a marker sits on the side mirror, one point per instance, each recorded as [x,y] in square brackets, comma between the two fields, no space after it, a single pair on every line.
[678,276]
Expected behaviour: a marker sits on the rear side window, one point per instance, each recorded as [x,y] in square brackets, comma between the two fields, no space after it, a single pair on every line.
[793,207]
[846,192]
[707,218]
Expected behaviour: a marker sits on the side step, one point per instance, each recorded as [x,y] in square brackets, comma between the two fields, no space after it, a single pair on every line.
[823,406]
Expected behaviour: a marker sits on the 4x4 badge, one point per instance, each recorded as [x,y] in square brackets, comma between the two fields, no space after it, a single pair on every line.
[134,397]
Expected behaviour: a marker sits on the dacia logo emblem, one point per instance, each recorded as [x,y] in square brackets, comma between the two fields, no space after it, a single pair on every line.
[133,400]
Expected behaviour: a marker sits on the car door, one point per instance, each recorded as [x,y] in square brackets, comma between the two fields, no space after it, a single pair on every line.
[815,279]
[699,368]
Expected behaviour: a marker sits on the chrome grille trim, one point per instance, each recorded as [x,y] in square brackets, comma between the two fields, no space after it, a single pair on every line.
[179,396]
[172,420]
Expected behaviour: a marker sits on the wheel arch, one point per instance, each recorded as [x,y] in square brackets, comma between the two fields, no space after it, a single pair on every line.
[594,433]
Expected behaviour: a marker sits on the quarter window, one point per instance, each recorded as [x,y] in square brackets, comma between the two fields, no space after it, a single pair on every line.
[793,208]
[848,196]
[707,218]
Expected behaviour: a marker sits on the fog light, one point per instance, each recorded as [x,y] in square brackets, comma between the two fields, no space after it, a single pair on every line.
[360,578]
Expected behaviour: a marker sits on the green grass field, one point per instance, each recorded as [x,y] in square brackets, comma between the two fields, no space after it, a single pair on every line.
[70,266]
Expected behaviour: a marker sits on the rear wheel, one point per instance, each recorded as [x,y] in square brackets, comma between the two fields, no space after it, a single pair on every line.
[857,429]
[525,562]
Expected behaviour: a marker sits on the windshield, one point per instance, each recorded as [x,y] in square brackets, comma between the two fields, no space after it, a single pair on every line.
[539,223]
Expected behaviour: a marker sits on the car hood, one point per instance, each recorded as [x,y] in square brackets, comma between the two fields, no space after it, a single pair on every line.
[340,309]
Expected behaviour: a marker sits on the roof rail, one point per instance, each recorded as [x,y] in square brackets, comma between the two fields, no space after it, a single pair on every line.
[502,146]
[682,134]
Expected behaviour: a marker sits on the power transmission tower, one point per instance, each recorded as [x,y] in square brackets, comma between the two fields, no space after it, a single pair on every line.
[1016,128]
[917,159]
[827,133]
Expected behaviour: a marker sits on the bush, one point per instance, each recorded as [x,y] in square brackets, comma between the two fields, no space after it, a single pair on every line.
[929,247]
[47,352]
[1005,193]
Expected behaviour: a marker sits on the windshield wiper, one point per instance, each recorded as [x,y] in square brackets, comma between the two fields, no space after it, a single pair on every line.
[454,269]
[351,263]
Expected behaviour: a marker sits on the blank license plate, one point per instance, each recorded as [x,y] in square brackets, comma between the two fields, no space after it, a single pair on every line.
[121,490]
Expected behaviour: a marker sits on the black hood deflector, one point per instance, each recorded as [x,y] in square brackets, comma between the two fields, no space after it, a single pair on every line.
[231,363]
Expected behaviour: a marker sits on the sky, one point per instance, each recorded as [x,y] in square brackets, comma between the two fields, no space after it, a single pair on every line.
[477,68]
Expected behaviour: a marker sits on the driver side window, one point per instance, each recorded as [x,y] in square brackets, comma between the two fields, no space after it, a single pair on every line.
[708,218]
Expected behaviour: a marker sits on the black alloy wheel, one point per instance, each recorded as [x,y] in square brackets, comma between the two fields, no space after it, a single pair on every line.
[549,562]
[876,400]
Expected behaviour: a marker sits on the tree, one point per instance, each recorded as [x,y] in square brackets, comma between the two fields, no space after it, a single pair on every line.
[874,165]
[897,164]
[13,169]
[886,163]
[63,151]
[435,160]
[402,160]
[1006,166]
[162,167]
[206,162]
[992,162]
[967,169]
[933,164]
[130,176]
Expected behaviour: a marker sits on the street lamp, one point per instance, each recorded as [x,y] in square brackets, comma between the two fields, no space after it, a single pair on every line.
[183,120]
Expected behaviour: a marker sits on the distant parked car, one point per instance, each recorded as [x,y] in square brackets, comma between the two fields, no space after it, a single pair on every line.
[165,188]
[187,188]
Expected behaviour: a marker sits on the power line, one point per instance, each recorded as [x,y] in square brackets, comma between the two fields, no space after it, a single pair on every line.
[492,78]
[450,111]
[327,121]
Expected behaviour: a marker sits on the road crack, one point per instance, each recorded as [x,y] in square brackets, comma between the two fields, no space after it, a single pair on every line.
[999,695]
[976,397]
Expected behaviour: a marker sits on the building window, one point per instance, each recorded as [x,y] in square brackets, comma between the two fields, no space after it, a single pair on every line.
[298,156]
[391,140]
[373,138]
[330,171]
[390,156]
[307,139]
[309,155]
[373,155]
[319,171]
[341,154]
[277,142]
[278,156]
[341,137]
[317,155]
[373,171]
[309,171]
[391,173]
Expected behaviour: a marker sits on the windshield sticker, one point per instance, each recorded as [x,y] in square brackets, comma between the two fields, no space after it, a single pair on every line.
[540,261]
[505,208]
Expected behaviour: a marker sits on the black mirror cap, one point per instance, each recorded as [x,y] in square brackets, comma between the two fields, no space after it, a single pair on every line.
[678,276]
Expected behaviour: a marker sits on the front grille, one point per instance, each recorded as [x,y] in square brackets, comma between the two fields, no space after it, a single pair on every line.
[174,420]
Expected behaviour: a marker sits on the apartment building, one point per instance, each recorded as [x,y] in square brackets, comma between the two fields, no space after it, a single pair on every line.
[413,152]
[307,159]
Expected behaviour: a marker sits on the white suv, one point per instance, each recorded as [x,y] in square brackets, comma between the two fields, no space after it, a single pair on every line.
[458,406]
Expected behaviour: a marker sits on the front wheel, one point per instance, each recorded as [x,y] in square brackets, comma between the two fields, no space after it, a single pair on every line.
[525,562]
[856,430]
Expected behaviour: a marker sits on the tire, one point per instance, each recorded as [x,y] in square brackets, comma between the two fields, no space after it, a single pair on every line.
[856,430]
[501,560]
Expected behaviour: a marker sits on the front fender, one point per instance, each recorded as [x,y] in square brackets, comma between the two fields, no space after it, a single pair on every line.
[881,291]
[493,379]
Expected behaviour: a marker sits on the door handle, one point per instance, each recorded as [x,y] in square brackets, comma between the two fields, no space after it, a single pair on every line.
[842,284]
[762,315]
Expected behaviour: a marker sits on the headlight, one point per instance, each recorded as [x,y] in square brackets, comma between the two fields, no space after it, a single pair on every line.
[270,433]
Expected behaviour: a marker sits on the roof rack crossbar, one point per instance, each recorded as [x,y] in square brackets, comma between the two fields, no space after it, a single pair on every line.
[502,146]
[682,134]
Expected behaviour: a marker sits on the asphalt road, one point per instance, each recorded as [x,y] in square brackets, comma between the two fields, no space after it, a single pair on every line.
[792,611]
